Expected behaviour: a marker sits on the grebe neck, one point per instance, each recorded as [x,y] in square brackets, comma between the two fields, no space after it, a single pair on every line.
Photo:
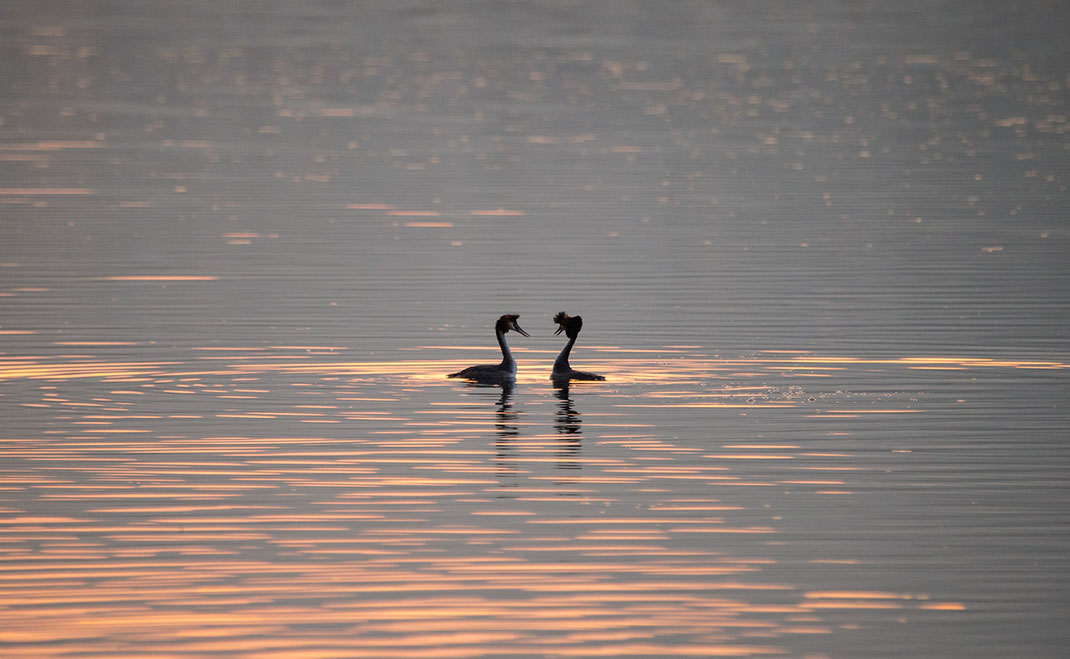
[561,363]
[508,363]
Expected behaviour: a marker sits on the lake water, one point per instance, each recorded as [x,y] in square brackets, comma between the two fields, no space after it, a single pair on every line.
[821,251]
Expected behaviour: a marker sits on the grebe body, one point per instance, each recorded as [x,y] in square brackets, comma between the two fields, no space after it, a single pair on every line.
[506,370]
[571,326]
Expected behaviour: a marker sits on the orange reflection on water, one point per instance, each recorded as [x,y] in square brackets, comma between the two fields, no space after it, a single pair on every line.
[429,518]
[678,370]
[850,599]
[943,606]
[22,369]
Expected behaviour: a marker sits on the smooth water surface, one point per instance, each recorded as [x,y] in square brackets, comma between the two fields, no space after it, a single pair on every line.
[821,254]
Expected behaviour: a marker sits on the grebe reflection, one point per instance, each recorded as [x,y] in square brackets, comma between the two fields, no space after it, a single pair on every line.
[571,326]
[495,373]
[506,417]
[566,420]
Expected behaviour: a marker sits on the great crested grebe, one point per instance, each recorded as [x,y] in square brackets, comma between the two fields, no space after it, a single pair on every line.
[571,326]
[503,372]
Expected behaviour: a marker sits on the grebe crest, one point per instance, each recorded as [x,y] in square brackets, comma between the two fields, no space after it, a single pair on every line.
[570,325]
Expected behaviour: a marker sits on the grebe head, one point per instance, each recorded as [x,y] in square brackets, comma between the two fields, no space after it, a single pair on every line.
[561,318]
[508,322]
[570,325]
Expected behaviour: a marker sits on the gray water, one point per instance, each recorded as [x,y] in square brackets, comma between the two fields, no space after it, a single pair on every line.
[821,254]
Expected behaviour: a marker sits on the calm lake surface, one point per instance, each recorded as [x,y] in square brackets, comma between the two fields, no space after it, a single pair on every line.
[820,248]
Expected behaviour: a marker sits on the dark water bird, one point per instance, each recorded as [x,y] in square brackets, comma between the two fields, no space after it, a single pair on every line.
[505,371]
[571,326]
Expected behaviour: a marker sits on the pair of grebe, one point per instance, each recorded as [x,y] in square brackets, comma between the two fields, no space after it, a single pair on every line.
[506,371]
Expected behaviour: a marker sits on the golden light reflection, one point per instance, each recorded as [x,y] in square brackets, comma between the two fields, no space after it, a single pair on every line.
[677,371]
[176,508]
